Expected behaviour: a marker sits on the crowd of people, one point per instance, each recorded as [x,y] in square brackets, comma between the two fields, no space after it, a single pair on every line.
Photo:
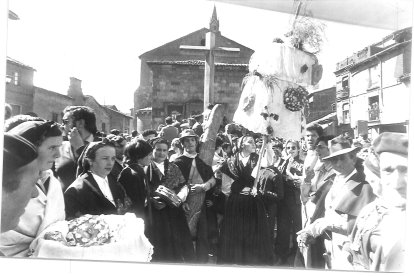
[322,202]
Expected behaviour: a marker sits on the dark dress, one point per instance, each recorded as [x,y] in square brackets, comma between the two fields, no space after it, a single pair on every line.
[85,197]
[289,213]
[270,184]
[245,237]
[169,232]
[133,178]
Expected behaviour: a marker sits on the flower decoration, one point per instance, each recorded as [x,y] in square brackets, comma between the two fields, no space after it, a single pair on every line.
[295,98]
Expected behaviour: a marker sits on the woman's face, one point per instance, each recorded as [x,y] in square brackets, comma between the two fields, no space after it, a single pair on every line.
[249,145]
[190,144]
[160,152]
[104,161]
[48,151]
[292,149]
[14,203]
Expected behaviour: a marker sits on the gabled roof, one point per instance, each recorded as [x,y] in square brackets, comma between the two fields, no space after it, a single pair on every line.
[170,52]
[113,107]
[52,92]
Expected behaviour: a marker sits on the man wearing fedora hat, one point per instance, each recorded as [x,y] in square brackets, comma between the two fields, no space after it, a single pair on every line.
[348,195]
[200,178]
[377,240]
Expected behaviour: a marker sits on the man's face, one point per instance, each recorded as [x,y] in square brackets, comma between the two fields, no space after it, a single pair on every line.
[48,151]
[322,150]
[310,138]
[119,149]
[68,122]
[343,164]
[190,144]
[14,203]
[393,170]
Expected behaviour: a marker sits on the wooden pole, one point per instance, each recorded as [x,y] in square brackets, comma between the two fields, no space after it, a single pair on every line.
[210,134]
[259,163]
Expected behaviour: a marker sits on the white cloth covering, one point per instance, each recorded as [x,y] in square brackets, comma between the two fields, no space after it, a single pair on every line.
[40,212]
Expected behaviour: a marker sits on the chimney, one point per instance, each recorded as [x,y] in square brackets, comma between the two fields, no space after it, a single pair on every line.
[75,90]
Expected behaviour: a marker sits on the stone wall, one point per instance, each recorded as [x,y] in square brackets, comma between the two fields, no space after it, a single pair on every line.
[181,87]
[45,103]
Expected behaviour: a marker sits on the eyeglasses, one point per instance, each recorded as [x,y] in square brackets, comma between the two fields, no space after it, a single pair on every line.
[291,148]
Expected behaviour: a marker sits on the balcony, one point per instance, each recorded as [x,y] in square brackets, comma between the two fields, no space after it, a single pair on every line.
[373,113]
[342,94]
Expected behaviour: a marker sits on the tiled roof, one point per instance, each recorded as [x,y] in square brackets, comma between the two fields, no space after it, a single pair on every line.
[193,62]
[52,92]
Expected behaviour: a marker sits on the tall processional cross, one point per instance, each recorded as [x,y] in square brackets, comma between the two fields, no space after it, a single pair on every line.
[209,50]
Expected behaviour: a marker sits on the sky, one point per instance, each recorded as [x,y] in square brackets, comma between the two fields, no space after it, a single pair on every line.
[100,41]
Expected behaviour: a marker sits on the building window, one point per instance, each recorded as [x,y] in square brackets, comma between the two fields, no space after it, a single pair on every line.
[16,109]
[333,106]
[345,82]
[103,127]
[345,113]
[55,117]
[373,108]
[16,78]
[203,42]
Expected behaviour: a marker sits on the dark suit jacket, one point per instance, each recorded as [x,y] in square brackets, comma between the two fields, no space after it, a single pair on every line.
[84,197]
[359,194]
[116,170]
[132,179]
[67,171]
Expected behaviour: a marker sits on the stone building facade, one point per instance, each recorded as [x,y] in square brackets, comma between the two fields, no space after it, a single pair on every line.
[25,98]
[172,79]
[19,86]
[373,86]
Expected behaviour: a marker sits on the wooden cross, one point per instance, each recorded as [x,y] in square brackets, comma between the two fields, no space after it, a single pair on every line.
[209,50]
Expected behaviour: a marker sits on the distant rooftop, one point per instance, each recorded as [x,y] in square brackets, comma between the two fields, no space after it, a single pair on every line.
[19,63]
[400,37]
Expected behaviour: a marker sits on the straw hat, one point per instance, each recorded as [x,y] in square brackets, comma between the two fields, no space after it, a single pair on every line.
[340,146]
[188,133]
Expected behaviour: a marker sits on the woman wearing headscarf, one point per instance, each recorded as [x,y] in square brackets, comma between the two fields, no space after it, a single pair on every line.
[48,207]
[95,191]
[138,155]
[245,237]
[169,232]
[289,218]
[20,173]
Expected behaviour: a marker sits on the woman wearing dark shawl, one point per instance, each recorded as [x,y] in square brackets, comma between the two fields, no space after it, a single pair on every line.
[169,232]
[95,191]
[245,238]
[199,176]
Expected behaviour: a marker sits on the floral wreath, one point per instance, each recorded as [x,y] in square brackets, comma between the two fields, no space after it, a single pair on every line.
[295,98]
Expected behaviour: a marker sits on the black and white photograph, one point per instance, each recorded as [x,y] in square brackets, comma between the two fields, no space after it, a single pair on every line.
[210,137]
